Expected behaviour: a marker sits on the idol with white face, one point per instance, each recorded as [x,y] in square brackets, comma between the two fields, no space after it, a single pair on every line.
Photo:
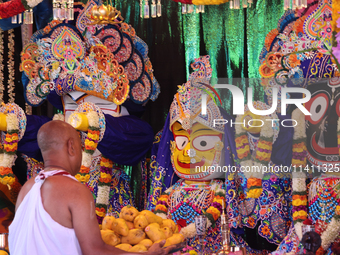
[196,152]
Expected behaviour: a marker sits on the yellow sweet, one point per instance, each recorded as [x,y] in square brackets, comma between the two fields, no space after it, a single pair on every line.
[154,232]
[140,221]
[107,222]
[138,248]
[167,232]
[170,224]
[119,226]
[151,217]
[175,239]
[134,236]
[124,246]
[128,213]
[146,242]
[109,237]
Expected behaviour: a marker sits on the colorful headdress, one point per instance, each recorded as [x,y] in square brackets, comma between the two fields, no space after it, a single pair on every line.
[186,106]
[128,49]
[64,61]
[110,62]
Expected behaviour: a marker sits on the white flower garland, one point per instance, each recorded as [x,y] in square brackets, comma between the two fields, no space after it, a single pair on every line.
[330,234]
[266,132]
[299,178]
[190,230]
[59,116]
[103,195]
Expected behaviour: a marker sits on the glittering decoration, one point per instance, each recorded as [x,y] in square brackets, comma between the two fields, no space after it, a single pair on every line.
[192,39]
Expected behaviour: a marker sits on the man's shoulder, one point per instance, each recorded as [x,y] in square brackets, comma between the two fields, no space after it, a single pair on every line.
[68,185]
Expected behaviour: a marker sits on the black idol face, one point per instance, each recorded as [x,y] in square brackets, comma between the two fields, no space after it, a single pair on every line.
[321,125]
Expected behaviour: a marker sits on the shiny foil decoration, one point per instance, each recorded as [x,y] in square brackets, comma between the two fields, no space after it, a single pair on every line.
[105,14]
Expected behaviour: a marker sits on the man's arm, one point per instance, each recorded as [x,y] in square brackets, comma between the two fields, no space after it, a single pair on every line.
[86,227]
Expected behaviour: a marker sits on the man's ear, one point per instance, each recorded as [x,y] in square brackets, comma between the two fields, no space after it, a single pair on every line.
[71,147]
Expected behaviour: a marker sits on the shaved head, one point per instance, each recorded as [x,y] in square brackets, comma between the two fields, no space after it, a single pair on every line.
[60,145]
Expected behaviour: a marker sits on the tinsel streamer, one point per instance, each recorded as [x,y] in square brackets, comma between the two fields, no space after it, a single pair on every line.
[234,48]
[260,20]
[2,88]
[212,22]
[10,65]
[191,36]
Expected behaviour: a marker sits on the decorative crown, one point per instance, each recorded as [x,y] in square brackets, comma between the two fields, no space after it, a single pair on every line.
[186,106]
[104,14]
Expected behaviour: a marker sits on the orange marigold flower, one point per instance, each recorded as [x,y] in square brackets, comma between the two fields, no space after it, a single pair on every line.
[254,182]
[265,230]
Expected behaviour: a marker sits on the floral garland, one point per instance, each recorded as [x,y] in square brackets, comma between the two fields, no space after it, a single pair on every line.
[8,150]
[90,145]
[59,116]
[104,183]
[162,205]
[299,160]
[262,156]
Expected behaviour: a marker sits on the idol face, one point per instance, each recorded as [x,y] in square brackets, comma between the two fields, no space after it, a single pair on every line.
[195,150]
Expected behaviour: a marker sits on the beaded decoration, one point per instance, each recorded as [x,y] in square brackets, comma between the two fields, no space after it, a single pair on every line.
[10,65]
[183,202]
[324,205]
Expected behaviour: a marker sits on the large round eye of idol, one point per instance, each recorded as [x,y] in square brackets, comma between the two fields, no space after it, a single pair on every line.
[252,123]
[195,152]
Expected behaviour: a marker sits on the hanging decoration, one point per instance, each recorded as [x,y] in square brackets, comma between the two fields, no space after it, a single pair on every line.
[21,11]
[10,65]
[295,4]
[63,9]
[146,9]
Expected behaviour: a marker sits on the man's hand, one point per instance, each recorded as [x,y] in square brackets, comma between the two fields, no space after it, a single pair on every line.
[157,248]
